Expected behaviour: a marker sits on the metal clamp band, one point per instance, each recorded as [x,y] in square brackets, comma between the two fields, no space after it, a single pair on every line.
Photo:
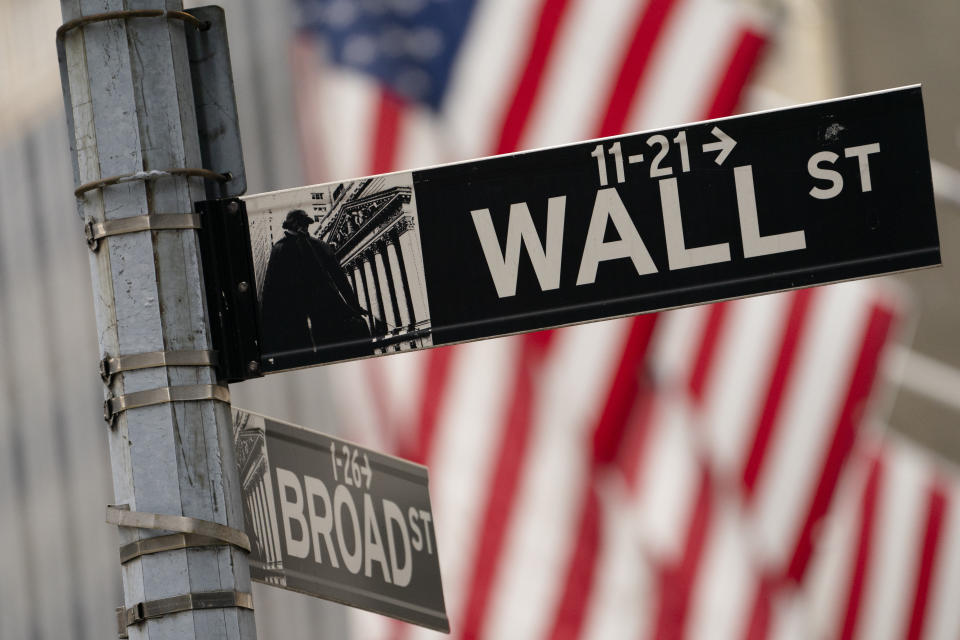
[97,231]
[110,366]
[118,404]
[121,516]
[140,13]
[153,174]
[143,611]
[172,542]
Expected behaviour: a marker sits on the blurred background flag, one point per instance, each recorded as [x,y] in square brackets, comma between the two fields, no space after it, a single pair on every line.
[403,83]
[655,477]
[713,472]
[408,46]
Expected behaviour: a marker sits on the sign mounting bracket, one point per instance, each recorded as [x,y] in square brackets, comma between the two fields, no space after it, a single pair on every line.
[230,283]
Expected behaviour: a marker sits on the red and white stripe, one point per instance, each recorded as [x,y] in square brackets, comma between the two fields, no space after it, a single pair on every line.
[535,73]
[620,603]
[755,413]
[774,384]
[890,564]
[554,487]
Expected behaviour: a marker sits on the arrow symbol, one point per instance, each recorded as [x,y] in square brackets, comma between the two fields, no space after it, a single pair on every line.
[724,145]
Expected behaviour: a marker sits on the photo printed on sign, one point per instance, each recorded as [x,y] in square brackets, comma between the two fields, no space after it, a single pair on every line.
[339,271]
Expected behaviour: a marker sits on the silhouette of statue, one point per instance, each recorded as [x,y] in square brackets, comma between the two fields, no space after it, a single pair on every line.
[307,301]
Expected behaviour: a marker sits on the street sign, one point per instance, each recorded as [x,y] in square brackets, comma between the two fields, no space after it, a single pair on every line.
[739,206]
[334,520]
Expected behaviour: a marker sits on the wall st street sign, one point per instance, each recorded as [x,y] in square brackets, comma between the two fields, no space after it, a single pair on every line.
[334,520]
[739,206]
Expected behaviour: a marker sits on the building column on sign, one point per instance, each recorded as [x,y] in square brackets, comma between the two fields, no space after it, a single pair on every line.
[373,294]
[273,535]
[378,291]
[386,286]
[400,283]
[349,275]
[414,270]
[248,500]
[363,292]
[258,522]
[263,530]
[359,287]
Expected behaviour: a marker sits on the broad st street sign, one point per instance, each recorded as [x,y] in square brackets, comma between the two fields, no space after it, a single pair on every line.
[698,213]
[332,519]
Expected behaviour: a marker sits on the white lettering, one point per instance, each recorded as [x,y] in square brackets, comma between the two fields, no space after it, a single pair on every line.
[679,256]
[608,205]
[819,173]
[292,513]
[320,526]
[341,499]
[415,528]
[753,243]
[426,517]
[372,542]
[393,517]
[520,230]
[862,154]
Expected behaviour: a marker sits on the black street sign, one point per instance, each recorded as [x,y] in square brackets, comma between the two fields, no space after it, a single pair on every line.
[699,213]
[334,520]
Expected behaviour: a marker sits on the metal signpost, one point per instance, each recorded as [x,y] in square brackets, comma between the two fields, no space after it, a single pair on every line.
[141,151]
[332,519]
[711,211]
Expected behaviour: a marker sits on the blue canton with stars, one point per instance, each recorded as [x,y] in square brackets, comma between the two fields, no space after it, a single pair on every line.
[409,45]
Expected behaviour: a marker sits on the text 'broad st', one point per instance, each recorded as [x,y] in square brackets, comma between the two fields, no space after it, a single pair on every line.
[335,520]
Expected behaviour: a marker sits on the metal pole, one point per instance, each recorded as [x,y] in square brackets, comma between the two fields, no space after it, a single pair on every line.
[131,107]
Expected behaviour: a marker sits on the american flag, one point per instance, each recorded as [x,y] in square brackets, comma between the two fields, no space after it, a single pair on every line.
[700,473]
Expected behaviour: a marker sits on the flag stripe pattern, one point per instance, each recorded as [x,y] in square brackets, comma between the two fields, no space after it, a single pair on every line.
[893,520]
[702,473]
[518,109]
[646,34]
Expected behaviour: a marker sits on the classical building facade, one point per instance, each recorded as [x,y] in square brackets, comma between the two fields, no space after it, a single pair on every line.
[372,228]
[260,507]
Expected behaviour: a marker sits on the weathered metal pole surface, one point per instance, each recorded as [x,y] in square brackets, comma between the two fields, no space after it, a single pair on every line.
[132,110]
